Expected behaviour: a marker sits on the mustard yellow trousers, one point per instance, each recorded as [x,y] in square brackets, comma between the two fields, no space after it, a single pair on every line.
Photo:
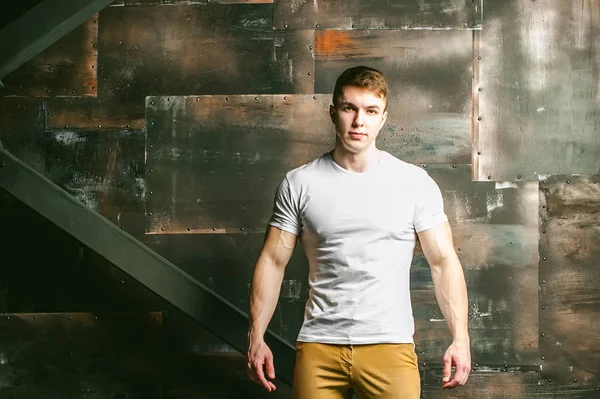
[383,371]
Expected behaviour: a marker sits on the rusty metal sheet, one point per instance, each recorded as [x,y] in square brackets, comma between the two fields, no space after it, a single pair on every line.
[495,236]
[66,68]
[214,162]
[200,49]
[430,77]
[80,355]
[505,384]
[224,263]
[119,3]
[377,14]
[94,114]
[570,279]
[540,96]
[103,169]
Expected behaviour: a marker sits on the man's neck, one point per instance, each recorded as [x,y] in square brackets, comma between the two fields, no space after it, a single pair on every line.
[357,162]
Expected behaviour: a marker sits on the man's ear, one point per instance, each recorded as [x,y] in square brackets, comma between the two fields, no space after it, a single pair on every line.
[383,119]
[332,113]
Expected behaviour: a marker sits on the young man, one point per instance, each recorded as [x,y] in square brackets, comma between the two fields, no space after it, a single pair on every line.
[358,212]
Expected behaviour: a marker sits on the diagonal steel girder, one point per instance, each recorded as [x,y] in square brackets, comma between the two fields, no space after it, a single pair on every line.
[131,256]
[40,27]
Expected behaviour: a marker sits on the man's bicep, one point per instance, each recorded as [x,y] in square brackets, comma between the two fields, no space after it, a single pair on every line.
[437,243]
[279,245]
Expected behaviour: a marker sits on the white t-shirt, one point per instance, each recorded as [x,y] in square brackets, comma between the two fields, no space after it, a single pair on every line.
[359,232]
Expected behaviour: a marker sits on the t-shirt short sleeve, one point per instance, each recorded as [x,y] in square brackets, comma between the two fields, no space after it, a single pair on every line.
[429,206]
[285,209]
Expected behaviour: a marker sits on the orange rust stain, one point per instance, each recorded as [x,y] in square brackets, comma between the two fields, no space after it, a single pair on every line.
[331,42]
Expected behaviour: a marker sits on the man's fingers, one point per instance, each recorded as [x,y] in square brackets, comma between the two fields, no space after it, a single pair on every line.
[261,376]
[270,367]
[447,369]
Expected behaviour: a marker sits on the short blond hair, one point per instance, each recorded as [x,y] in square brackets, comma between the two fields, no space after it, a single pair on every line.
[362,77]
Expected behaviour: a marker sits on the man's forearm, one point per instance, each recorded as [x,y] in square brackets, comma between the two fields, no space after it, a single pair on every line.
[451,293]
[266,286]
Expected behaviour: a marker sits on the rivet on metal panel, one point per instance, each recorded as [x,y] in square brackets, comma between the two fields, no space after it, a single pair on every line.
[543,181]
[314,97]
[162,229]
[214,229]
[519,177]
[255,98]
[70,318]
[93,66]
[2,164]
[543,307]
[241,228]
[549,379]
[424,364]
[151,102]
[544,259]
[479,58]
[411,25]
[310,47]
[151,192]
[189,229]
[575,380]
[479,118]
[66,126]
[99,125]
[128,126]
[168,99]
[543,357]
[285,98]
[568,181]
[478,152]
[480,89]
[122,227]
[151,170]
[149,213]
[594,181]
[544,206]
[543,335]
[489,177]
[466,24]
[454,166]
[543,231]
[227,98]
[317,26]
[35,317]
[424,166]
[353,26]
[310,73]
[122,281]
[151,146]
[285,25]
[48,91]
[96,317]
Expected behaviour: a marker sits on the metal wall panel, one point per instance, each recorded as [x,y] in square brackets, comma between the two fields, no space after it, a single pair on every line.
[213,162]
[430,76]
[570,279]
[495,236]
[540,96]
[199,49]
[378,14]
[119,3]
[66,68]
[80,355]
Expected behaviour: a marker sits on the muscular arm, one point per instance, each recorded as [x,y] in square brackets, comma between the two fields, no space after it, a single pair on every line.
[451,294]
[268,276]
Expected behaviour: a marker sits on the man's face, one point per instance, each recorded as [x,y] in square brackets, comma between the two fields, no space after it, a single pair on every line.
[358,118]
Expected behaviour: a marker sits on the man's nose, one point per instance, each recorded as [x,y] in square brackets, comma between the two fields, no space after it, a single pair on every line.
[358,119]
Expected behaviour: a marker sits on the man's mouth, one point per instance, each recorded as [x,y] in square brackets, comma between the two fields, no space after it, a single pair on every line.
[356,135]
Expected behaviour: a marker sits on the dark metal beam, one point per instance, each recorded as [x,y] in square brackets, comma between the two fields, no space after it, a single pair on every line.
[40,27]
[137,260]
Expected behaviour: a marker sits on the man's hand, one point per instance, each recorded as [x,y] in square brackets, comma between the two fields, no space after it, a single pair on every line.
[459,356]
[260,359]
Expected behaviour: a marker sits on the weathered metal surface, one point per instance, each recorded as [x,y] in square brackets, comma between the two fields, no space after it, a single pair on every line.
[80,355]
[93,114]
[495,236]
[119,3]
[214,162]
[224,263]
[41,27]
[377,14]
[104,170]
[570,279]
[200,49]
[66,68]
[540,97]
[506,384]
[137,260]
[430,76]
